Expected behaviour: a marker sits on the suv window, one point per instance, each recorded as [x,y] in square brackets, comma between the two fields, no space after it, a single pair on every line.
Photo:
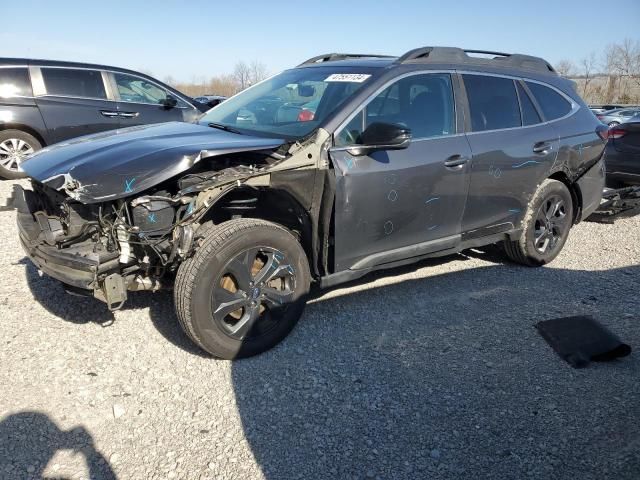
[529,113]
[424,103]
[493,102]
[138,90]
[15,82]
[73,83]
[553,104]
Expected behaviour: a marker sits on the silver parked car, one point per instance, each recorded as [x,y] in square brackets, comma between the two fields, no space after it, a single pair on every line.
[617,116]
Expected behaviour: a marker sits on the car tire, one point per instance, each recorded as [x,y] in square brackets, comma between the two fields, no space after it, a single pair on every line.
[546,226]
[12,141]
[242,263]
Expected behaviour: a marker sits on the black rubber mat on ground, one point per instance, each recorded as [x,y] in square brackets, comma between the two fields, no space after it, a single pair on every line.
[581,339]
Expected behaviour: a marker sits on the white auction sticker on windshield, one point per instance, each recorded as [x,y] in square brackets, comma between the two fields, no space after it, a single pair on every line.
[347,77]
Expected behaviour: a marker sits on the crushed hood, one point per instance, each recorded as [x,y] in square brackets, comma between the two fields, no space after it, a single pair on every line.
[120,163]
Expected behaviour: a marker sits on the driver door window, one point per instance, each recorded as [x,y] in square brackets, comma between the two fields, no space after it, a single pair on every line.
[138,90]
[424,103]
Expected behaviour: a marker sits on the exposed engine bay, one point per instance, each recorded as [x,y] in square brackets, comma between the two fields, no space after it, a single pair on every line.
[137,242]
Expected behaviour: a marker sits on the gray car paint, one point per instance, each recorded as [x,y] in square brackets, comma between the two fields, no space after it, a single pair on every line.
[365,204]
[392,199]
[121,163]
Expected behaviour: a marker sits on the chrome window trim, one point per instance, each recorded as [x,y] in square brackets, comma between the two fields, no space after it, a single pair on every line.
[384,86]
[108,70]
[37,82]
[107,85]
[413,140]
[574,106]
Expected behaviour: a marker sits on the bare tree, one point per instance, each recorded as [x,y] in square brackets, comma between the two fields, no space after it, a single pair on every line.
[623,59]
[258,71]
[242,75]
[587,71]
[565,68]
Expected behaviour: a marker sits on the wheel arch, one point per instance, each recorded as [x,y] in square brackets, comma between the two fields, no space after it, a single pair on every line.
[24,128]
[574,190]
[274,205]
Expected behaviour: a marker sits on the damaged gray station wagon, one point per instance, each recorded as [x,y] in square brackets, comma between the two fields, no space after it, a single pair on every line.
[340,166]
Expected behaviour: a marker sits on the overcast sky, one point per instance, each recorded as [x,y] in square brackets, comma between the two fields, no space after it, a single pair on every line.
[195,39]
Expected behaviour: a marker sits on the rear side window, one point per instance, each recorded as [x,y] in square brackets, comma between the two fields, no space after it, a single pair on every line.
[553,104]
[73,83]
[15,82]
[493,102]
[529,113]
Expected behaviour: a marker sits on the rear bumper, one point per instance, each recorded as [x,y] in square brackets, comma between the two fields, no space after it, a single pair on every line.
[591,185]
[622,167]
[78,266]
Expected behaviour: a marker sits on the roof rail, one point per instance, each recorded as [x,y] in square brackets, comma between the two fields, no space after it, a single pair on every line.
[459,55]
[327,57]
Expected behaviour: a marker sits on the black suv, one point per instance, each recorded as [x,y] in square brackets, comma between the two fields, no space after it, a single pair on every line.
[395,160]
[44,102]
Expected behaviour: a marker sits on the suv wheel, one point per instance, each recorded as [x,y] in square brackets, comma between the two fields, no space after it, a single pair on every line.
[546,226]
[244,289]
[15,145]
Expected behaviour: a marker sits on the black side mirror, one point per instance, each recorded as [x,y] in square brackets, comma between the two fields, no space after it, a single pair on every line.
[169,102]
[306,90]
[382,136]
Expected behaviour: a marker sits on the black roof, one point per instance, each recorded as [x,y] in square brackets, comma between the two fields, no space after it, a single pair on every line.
[439,56]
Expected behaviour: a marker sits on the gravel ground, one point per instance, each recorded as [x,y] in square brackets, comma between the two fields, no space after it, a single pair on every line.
[433,371]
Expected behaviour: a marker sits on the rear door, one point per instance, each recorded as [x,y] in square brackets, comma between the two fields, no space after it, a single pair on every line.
[392,199]
[512,150]
[73,101]
[141,101]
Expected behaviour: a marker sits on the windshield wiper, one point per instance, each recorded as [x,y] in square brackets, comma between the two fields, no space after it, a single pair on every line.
[226,128]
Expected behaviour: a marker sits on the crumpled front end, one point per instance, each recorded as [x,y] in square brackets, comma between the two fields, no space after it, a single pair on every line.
[137,242]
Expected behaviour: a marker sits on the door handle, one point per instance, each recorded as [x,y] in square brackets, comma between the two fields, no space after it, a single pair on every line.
[129,114]
[109,113]
[455,161]
[542,147]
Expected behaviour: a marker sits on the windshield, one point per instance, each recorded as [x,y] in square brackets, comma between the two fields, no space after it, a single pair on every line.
[291,104]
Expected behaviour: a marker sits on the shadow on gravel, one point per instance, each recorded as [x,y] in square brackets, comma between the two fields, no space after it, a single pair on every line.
[79,309]
[29,440]
[445,377]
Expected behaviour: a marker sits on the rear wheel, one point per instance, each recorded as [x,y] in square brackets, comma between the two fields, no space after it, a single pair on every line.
[15,146]
[244,289]
[546,226]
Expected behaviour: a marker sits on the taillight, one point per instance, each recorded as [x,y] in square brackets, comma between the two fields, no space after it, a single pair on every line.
[305,115]
[617,133]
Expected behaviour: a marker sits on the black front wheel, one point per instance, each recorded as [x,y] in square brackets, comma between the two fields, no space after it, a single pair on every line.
[545,226]
[244,289]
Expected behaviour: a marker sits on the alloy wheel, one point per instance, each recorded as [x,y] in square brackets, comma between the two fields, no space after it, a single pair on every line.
[252,293]
[550,225]
[13,151]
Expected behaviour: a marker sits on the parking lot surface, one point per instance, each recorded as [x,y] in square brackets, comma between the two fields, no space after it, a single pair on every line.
[430,371]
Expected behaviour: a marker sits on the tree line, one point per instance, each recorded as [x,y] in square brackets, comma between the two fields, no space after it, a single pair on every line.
[611,76]
[244,75]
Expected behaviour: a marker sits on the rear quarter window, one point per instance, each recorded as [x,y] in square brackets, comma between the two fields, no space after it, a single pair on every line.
[493,102]
[74,83]
[553,104]
[15,82]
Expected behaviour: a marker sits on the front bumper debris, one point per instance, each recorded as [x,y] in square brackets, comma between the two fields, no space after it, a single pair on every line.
[619,203]
[79,265]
